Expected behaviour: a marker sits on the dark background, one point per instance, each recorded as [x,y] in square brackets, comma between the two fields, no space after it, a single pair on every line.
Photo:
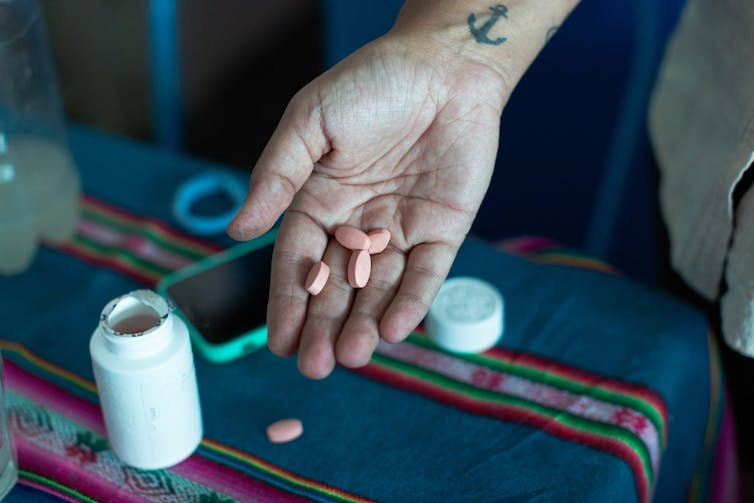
[241,61]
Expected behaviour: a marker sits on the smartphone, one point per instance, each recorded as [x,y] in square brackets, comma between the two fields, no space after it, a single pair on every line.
[223,299]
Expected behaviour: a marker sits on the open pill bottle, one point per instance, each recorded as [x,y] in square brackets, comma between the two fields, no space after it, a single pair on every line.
[144,369]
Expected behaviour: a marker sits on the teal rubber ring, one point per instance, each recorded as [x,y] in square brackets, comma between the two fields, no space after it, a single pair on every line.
[203,185]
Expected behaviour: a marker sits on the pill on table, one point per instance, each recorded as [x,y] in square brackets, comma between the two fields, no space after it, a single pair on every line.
[317,278]
[284,430]
[359,268]
[352,238]
[380,239]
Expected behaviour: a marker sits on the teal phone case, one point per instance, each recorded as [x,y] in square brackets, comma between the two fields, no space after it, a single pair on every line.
[241,345]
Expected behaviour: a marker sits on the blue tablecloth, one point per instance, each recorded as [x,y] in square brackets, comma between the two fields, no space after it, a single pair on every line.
[595,373]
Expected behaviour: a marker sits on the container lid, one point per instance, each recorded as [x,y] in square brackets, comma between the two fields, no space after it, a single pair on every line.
[466,316]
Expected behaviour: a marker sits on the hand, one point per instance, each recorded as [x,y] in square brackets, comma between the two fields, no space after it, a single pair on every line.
[395,136]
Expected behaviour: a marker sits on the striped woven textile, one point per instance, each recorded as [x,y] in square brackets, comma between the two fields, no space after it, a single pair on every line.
[715,479]
[141,247]
[625,420]
[61,439]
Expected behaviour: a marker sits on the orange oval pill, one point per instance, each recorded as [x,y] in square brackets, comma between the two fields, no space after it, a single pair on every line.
[380,238]
[284,430]
[317,278]
[359,268]
[352,238]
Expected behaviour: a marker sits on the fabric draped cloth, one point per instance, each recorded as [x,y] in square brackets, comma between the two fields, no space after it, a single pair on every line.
[702,129]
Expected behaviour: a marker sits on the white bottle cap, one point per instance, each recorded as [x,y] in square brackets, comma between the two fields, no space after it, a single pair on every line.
[466,316]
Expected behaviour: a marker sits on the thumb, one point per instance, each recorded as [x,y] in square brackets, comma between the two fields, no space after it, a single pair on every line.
[284,166]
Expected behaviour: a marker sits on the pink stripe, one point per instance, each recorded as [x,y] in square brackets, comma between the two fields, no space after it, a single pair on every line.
[725,486]
[208,248]
[138,245]
[485,378]
[500,354]
[583,377]
[54,397]
[112,262]
[526,245]
[63,471]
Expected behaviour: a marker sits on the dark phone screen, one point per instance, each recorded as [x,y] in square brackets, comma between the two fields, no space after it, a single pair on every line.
[227,300]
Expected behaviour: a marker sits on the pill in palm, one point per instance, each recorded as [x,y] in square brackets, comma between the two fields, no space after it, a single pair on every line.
[284,430]
[380,238]
[317,278]
[359,268]
[352,238]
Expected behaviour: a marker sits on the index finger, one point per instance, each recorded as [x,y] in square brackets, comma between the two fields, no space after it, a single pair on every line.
[300,243]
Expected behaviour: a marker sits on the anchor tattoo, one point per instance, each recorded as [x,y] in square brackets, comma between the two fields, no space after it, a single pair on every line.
[481,34]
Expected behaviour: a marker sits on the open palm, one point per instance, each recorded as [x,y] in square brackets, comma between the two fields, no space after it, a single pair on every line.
[386,139]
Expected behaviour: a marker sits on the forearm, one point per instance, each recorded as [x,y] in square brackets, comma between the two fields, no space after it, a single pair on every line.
[504,35]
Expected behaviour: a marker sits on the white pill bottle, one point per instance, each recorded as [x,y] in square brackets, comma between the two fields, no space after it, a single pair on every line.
[144,368]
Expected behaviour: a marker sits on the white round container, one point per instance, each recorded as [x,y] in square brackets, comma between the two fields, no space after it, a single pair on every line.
[144,368]
[466,316]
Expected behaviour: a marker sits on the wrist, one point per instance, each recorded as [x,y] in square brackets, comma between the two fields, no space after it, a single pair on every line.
[501,36]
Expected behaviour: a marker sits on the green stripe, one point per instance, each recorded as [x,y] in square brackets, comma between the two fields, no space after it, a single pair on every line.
[173,244]
[136,262]
[566,254]
[564,383]
[56,485]
[561,252]
[608,431]
[699,490]
[305,484]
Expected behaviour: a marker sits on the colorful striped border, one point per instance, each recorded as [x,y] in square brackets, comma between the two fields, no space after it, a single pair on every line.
[700,484]
[714,479]
[543,250]
[264,469]
[572,259]
[622,419]
[142,248]
[215,467]
[650,403]
[160,232]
